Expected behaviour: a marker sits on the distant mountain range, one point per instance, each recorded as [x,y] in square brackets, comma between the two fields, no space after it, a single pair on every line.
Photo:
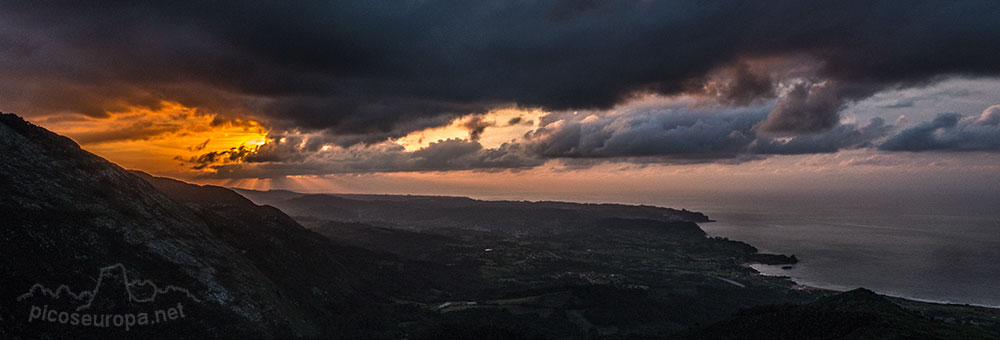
[389,267]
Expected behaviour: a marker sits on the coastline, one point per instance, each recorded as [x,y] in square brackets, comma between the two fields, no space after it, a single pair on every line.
[943,260]
[800,284]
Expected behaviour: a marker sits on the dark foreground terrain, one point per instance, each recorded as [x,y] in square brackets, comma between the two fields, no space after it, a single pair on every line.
[81,236]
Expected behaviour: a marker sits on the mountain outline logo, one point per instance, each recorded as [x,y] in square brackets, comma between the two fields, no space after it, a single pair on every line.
[121,302]
[90,295]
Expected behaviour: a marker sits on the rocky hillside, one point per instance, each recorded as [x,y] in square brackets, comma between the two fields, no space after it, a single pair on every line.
[251,271]
[858,314]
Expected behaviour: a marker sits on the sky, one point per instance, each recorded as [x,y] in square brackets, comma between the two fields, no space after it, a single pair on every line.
[577,100]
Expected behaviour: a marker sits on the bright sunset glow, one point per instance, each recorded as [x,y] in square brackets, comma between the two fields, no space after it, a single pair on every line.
[158,141]
[499,126]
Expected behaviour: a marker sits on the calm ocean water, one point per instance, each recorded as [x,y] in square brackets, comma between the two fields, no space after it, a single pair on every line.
[928,247]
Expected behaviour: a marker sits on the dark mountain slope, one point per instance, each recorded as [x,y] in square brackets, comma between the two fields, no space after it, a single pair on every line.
[268,197]
[854,315]
[252,272]
[288,251]
[404,243]
[206,196]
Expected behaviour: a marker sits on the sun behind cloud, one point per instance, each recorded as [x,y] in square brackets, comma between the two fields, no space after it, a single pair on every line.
[490,129]
[159,140]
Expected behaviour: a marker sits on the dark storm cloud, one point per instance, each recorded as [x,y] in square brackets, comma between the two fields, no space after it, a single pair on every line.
[951,132]
[737,85]
[679,134]
[207,159]
[374,70]
[476,125]
[813,107]
[652,133]
[843,136]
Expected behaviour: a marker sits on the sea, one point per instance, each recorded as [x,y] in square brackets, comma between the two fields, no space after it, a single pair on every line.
[923,246]
[922,243]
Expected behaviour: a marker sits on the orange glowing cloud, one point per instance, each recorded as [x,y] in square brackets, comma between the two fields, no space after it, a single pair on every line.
[159,140]
[490,130]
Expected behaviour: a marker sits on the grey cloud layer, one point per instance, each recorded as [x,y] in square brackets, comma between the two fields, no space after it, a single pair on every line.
[951,132]
[373,70]
[682,133]
[446,155]
[671,134]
